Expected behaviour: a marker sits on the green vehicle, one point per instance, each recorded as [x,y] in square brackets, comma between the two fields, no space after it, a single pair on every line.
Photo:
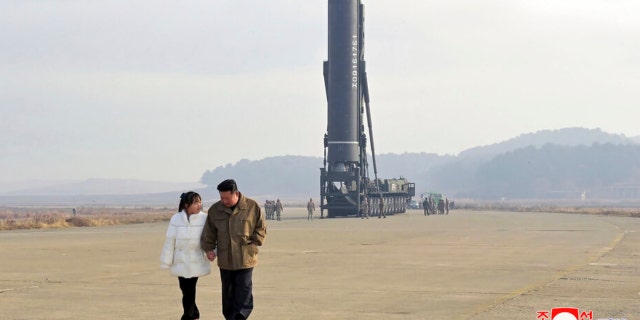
[437,200]
[432,195]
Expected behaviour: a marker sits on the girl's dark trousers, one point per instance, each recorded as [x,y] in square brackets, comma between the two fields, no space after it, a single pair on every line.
[188,287]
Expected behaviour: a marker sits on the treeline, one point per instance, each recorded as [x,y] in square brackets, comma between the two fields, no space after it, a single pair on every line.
[604,171]
[283,176]
[299,176]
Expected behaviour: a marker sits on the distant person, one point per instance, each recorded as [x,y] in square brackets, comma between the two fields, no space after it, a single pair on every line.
[272,209]
[311,207]
[181,253]
[364,208]
[74,211]
[425,206]
[279,209]
[234,229]
[440,206]
[381,206]
[446,205]
[266,207]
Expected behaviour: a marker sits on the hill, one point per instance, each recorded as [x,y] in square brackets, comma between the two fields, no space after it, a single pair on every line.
[602,171]
[563,137]
[496,171]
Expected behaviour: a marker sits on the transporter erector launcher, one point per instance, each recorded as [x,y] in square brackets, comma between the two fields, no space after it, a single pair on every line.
[344,179]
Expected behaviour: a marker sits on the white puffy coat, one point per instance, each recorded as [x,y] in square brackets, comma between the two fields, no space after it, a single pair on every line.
[181,252]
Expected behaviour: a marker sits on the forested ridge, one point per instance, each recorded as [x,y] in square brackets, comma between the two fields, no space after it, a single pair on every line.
[549,164]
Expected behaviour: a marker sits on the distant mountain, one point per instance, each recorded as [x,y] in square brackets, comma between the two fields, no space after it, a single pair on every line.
[563,137]
[604,171]
[272,177]
[408,165]
[101,187]
[298,176]
[488,172]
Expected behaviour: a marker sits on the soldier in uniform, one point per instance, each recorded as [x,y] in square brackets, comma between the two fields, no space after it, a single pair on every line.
[266,208]
[364,208]
[271,210]
[311,207]
[440,206]
[381,205]
[279,209]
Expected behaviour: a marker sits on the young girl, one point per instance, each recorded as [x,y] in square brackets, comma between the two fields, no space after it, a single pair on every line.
[181,252]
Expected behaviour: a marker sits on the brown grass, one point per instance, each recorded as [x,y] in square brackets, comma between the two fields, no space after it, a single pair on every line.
[56,218]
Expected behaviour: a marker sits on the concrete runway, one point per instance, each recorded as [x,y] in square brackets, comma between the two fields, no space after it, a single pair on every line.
[466,265]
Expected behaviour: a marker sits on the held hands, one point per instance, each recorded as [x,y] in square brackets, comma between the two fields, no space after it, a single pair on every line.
[211,255]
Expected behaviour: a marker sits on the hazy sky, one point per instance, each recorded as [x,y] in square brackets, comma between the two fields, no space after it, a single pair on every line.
[164,90]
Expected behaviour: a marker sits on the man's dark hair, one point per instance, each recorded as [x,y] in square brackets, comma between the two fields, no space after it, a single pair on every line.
[228,185]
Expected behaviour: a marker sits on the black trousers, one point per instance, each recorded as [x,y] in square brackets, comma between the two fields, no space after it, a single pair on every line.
[237,296]
[188,287]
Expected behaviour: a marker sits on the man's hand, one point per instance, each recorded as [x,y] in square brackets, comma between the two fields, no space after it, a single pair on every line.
[211,255]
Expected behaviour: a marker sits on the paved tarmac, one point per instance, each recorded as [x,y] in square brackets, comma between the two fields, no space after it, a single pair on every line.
[468,265]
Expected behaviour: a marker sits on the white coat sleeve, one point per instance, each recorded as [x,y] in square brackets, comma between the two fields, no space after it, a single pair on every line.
[166,257]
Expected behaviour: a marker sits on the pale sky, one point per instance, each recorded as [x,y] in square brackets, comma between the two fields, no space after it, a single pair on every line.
[164,90]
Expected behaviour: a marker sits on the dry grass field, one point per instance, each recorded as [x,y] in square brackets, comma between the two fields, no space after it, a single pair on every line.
[57,218]
[468,265]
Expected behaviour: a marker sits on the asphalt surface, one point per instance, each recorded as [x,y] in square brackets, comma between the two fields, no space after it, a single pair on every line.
[466,265]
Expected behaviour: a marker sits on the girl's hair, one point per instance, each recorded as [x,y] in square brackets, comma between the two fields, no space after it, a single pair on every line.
[187,199]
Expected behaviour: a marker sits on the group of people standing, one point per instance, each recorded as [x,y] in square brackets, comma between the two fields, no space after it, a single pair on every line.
[273,209]
[435,206]
[231,231]
[365,208]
